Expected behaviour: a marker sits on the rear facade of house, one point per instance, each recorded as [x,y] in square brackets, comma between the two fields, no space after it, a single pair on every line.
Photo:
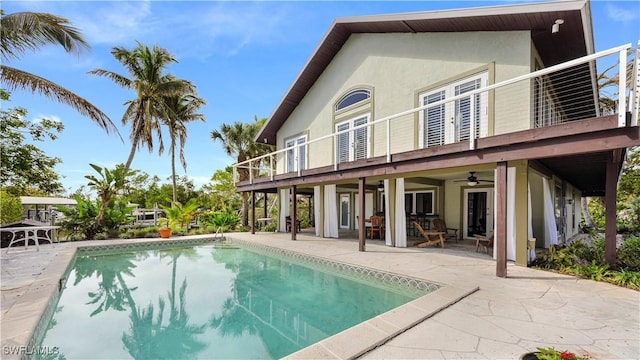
[488,118]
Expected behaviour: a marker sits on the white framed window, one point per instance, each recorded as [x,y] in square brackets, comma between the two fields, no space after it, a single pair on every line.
[297,156]
[420,202]
[452,121]
[352,145]
[353,97]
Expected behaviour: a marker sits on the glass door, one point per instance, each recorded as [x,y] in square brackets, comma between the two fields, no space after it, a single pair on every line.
[345,206]
[478,212]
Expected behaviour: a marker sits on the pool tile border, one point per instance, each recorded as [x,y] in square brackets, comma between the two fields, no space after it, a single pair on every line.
[346,268]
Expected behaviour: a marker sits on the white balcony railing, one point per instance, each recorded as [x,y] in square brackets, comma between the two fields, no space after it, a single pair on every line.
[553,93]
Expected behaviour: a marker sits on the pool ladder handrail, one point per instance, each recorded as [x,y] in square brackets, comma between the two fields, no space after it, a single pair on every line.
[219,232]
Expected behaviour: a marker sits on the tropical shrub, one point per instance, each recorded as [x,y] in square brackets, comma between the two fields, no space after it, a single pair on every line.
[629,254]
[10,208]
[227,220]
[78,221]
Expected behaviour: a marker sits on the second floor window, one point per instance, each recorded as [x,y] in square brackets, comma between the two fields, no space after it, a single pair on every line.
[352,145]
[296,157]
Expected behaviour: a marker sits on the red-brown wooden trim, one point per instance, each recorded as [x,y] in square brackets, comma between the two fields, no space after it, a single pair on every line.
[500,232]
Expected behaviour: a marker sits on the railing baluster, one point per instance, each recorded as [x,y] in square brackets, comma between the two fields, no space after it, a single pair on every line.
[388,122]
[271,165]
[622,89]
[634,98]
[250,172]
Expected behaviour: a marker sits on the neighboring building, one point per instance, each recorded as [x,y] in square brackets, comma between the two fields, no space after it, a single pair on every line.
[43,209]
[438,114]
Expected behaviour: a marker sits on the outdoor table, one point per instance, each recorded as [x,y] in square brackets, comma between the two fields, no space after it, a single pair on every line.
[262,222]
[30,233]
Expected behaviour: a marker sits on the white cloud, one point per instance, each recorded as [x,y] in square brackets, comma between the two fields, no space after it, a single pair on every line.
[619,14]
[40,117]
[114,22]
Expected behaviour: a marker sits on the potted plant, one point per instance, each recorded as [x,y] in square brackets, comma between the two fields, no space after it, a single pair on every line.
[551,354]
[163,228]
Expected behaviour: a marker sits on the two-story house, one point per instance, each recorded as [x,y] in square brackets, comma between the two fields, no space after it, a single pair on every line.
[488,118]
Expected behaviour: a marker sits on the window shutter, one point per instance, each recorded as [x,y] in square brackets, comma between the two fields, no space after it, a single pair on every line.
[434,120]
[342,147]
[360,139]
[302,153]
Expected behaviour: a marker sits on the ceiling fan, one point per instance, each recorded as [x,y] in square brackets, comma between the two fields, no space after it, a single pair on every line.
[473,180]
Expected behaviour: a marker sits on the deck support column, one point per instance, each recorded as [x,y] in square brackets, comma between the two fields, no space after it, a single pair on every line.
[610,208]
[265,205]
[500,232]
[361,204]
[253,212]
[294,220]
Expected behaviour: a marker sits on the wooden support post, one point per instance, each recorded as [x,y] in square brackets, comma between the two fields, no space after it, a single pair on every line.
[361,204]
[265,205]
[294,218]
[610,192]
[500,232]
[253,212]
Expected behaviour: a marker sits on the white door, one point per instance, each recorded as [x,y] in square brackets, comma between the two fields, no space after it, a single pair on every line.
[345,206]
[478,212]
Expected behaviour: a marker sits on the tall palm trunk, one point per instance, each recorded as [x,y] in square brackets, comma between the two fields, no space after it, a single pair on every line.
[588,221]
[173,169]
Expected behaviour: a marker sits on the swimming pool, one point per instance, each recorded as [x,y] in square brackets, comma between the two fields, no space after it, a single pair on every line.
[213,301]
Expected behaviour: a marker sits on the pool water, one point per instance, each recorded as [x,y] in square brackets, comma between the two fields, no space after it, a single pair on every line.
[207,302]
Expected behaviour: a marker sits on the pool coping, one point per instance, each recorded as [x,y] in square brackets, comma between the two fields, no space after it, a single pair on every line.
[41,297]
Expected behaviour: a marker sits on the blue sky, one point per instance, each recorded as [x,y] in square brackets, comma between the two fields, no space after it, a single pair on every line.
[242,56]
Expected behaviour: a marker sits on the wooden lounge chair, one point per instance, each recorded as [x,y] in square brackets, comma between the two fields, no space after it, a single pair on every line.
[431,237]
[484,241]
[449,233]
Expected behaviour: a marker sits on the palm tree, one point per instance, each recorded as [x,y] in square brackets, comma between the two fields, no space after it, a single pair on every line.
[106,185]
[181,109]
[238,140]
[29,31]
[146,69]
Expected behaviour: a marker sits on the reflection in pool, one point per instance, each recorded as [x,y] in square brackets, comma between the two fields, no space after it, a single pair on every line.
[208,302]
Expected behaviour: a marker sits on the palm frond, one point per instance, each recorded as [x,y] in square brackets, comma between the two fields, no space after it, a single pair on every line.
[14,79]
[24,31]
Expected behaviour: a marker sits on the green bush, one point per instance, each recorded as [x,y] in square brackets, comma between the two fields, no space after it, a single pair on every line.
[227,220]
[10,208]
[629,254]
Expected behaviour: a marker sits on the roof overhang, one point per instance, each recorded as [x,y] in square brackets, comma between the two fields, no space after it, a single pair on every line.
[40,200]
[575,39]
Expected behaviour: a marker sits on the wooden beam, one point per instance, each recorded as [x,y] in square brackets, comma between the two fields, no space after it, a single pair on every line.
[500,232]
[610,230]
[265,204]
[361,204]
[449,156]
[253,212]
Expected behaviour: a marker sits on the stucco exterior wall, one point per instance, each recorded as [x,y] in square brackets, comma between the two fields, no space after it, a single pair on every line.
[397,67]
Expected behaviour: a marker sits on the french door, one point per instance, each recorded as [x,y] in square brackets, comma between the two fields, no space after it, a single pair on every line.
[459,120]
[478,212]
[352,145]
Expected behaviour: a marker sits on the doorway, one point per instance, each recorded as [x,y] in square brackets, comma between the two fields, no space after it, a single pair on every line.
[345,206]
[478,212]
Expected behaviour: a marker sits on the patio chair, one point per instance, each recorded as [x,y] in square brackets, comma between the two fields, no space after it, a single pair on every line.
[441,226]
[431,237]
[288,222]
[484,241]
[377,227]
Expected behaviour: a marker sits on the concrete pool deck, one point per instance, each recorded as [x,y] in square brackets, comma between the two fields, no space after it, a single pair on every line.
[503,319]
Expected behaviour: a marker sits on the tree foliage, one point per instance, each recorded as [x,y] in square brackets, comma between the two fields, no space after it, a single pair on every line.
[238,141]
[23,165]
[10,208]
[147,78]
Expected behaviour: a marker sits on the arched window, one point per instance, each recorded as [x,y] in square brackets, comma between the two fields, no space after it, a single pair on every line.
[353,97]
